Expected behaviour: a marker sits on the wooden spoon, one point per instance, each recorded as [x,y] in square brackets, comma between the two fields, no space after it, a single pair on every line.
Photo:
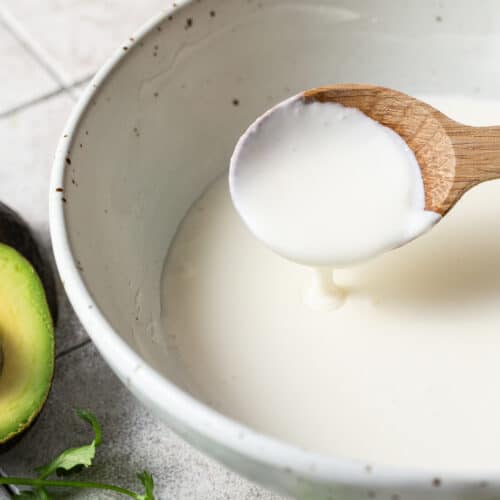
[452,157]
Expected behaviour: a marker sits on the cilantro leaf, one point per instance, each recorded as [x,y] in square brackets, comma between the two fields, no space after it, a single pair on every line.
[69,460]
[147,481]
[90,418]
[73,459]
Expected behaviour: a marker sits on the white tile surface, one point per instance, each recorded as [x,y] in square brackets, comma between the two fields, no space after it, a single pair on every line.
[23,79]
[28,141]
[80,35]
[133,439]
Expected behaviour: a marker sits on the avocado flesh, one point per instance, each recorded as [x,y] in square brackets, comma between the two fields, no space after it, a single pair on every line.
[27,344]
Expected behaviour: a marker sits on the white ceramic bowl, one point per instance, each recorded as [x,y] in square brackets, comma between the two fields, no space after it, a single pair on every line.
[159,122]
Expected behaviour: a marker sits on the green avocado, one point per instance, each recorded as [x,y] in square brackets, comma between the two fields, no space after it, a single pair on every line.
[26,344]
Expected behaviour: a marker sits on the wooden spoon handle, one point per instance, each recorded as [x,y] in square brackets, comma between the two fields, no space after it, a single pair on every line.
[452,157]
[477,150]
[477,156]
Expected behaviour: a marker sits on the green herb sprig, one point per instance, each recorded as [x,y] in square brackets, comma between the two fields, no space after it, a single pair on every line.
[71,461]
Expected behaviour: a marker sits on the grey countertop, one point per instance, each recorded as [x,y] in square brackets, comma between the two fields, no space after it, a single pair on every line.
[49,51]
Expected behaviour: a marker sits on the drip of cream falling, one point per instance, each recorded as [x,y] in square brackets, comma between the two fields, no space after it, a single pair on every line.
[322,292]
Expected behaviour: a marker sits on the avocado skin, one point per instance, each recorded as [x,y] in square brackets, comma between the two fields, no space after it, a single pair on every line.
[15,232]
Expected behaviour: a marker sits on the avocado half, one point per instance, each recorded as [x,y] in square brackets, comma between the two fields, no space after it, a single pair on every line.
[26,344]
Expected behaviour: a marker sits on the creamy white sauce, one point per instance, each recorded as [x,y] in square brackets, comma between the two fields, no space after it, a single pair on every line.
[323,184]
[321,291]
[405,373]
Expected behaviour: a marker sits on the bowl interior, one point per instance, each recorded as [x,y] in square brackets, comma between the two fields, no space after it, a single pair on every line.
[163,124]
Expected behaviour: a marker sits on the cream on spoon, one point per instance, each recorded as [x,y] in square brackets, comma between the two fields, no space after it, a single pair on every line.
[325,185]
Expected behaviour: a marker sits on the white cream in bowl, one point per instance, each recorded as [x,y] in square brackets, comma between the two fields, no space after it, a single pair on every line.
[403,374]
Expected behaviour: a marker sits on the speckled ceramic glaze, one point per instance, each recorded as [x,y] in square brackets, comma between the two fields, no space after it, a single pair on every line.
[159,122]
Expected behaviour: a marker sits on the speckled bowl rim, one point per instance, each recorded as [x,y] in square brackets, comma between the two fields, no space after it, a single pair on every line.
[149,385]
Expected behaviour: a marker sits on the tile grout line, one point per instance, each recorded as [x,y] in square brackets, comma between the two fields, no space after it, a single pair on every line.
[44,59]
[73,348]
[84,80]
[44,97]
[31,102]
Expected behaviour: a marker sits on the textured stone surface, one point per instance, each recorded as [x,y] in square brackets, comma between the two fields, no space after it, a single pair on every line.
[133,439]
[28,141]
[79,35]
[23,78]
